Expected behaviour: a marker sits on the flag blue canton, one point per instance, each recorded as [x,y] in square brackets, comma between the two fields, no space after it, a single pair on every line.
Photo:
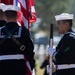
[15,2]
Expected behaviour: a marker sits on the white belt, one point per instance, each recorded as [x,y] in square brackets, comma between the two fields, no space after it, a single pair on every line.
[66,66]
[10,57]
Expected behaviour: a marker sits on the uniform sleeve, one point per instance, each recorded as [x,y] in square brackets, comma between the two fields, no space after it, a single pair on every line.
[29,51]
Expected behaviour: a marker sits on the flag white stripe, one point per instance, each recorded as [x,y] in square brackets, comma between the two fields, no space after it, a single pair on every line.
[32,9]
[23,2]
[27,63]
[25,21]
[14,2]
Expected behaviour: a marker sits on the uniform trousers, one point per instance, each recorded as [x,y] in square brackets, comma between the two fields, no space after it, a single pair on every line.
[70,71]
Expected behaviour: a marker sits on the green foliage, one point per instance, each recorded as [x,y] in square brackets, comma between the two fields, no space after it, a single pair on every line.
[57,6]
[44,8]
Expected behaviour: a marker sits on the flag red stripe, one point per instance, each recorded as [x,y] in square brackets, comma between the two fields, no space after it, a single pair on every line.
[19,18]
[24,11]
[31,3]
[7,1]
[23,14]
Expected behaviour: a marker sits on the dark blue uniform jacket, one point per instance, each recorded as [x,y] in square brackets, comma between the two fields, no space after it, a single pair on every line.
[9,47]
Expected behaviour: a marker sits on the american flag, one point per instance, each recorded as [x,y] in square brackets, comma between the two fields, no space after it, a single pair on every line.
[26,16]
[27,13]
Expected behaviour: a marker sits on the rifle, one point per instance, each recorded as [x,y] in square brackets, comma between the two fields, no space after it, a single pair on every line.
[51,44]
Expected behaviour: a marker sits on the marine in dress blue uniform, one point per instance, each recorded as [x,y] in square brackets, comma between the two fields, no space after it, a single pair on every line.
[12,60]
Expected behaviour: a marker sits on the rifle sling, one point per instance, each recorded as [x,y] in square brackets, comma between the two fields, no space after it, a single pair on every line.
[22,47]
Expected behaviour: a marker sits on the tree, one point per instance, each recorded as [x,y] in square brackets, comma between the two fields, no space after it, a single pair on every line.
[45,7]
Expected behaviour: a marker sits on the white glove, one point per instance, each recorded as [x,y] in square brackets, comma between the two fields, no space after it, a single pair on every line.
[48,69]
[50,51]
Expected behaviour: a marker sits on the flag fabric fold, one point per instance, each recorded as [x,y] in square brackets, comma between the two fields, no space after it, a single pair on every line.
[32,11]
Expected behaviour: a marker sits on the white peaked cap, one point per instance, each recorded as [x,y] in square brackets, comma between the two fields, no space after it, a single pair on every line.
[64,16]
[2,5]
[11,7]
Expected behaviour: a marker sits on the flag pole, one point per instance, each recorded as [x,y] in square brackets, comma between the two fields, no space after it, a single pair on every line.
[51,43]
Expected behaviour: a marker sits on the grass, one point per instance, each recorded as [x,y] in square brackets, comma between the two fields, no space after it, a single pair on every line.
[38,70]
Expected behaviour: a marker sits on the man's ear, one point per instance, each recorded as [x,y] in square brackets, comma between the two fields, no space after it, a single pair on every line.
[66,23]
